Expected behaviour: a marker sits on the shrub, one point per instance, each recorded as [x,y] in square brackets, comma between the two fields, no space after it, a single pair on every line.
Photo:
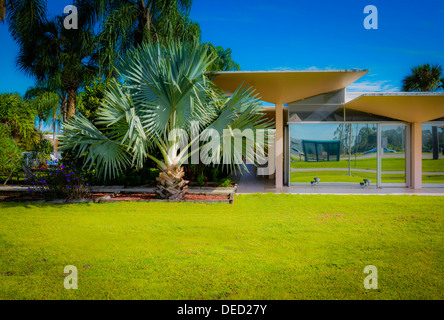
[199,172]
[10,154]
[60,183]
[214,174]
[225,182]
[200,180]
[20,116]
[129,177]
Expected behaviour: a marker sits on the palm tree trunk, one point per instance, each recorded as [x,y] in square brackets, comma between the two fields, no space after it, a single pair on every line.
[171,184]
[64,107]
[144,22]
[72,104]
[40,123]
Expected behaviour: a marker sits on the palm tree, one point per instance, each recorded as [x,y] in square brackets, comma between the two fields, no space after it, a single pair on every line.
[2,10]
[53,114]
[51,53]
[61,55]
[23,17]
[424,78]
[164,89]
[134,22]
[44,102]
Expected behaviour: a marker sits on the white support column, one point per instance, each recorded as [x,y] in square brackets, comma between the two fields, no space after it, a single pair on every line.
[279,176]
[416,156]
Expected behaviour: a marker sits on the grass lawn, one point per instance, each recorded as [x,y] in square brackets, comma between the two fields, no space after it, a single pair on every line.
[262,247]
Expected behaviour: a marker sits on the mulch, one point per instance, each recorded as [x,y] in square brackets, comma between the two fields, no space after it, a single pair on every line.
[123,196]
[150,196]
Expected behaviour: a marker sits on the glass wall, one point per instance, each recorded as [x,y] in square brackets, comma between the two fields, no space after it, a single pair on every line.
[393,164]
[433,153]
[334,153]
[330,144]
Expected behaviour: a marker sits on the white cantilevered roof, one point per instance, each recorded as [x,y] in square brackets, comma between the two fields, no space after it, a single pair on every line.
[405,106]
[287,86]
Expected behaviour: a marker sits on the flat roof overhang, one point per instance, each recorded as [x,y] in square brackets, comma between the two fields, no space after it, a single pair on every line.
[404,106]
[281,87]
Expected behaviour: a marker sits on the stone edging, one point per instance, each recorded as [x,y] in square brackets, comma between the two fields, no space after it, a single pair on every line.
[107,199]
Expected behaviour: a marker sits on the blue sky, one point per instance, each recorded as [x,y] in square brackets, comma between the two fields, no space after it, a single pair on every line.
[291,34]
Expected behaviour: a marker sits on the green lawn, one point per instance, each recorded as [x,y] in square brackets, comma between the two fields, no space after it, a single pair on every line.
[262,247]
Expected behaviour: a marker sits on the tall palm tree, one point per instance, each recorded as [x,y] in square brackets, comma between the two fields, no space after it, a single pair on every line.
[65,55]
[34,97]
[48,106]
[49,52]
[424,78]
[2,10]
[44,102]
[53,114]
[134,22]
[164,89]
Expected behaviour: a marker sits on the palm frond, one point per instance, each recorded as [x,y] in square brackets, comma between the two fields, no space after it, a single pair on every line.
[110,157]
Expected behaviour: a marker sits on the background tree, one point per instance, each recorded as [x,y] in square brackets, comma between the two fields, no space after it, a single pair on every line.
[129,23]
[91,99]
[61,55]
[51,53]
[223,61]
[45,102]
[10,153]
[2,10]
[424,78]
[71,59]
[134,22]
[19,115]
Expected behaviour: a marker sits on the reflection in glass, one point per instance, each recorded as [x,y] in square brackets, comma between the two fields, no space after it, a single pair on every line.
[393,155]
[315,113]
[433,153]
[334,153]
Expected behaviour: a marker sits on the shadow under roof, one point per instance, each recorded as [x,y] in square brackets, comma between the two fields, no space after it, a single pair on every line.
[405,106]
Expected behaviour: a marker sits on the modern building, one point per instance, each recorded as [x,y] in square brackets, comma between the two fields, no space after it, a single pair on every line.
[328,136]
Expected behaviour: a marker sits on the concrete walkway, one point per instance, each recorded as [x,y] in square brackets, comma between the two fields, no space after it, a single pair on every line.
[249,183]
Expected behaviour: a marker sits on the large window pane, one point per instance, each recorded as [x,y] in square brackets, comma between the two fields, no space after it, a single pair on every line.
[334,153]
[393,155]
[312,113]
[433,153]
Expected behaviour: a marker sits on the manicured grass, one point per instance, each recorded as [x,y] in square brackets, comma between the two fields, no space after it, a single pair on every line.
[262,247]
